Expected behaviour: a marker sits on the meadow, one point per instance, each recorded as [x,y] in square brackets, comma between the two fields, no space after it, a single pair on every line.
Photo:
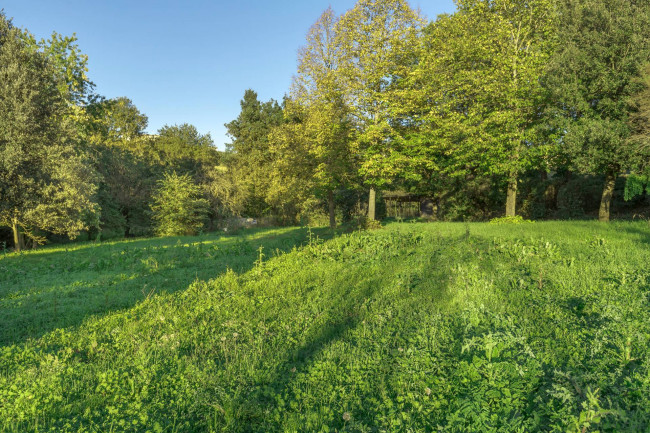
[438,327]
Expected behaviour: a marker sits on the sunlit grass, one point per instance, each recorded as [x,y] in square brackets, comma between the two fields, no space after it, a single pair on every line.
[58,286]
[414,328]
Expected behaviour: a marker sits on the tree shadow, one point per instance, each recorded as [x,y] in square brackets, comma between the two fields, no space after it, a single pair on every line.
[640,234]
[59,289]
[252,408]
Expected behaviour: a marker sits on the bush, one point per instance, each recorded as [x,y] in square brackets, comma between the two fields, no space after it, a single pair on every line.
[517,219]
[179,207]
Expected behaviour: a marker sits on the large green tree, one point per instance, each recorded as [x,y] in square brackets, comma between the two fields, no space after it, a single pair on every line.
[116,120]
[127,161]
[248,156]
[313,146]
[45,183]
[185,149]
[476,94]
[638,181]
[640,121]
[311,157]
[70,65]
[377,40]
[603,45]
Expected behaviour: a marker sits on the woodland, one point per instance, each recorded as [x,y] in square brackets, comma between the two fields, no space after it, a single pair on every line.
[525,108]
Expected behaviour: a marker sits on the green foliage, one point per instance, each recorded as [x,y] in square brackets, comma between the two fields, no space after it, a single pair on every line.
[639,123]
[635,185]
[482,66]
[437,327]
[131,163]
[517,219]
[179,207]
[362,222]
[70,65]
[594,75]
[127,162]
[113,122]
[377,42]
[182,148]
[249,157]
[45,182]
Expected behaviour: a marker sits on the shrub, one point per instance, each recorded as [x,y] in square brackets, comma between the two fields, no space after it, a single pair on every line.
[517,219]
[179,207]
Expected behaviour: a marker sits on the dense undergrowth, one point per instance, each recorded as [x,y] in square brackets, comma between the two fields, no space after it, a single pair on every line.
[415,327]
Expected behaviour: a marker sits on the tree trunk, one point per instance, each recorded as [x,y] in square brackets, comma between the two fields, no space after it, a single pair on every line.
[372,198]
[608,193]
[18,236]
[511,198]
[427,208]
[330,199]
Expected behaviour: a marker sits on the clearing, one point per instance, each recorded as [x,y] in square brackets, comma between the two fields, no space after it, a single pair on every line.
[414,327]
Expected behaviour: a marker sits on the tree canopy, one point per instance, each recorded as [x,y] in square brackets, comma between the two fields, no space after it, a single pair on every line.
[534,107]
[45,182]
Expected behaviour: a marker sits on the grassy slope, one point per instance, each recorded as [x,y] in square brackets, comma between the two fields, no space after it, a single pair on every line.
[536,327]
[60,286]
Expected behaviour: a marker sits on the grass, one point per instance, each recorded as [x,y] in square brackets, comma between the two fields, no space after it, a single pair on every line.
[414,327]
[58,287]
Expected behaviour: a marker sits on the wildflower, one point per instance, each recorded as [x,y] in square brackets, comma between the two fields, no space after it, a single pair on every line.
[346,416]
[427,390]
[223,338]
[293,370]
[400,349]
[235,335]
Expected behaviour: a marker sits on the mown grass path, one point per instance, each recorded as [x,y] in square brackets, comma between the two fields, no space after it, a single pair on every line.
[412,328]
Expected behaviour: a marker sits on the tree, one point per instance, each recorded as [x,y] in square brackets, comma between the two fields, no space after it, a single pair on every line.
[639,180]
[292,185]
[69,63]
[127,161]
[477,91]
[603,45]
[312,147]
[182,148]
[249,156]
[45,183]
[311,156]
[377,40]
[179,207]
[639,123]
[119,120]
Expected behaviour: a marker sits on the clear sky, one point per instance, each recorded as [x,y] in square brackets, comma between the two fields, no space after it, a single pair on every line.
[187,61]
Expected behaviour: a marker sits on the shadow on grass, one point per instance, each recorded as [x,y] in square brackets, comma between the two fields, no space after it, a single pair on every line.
[640,232]
[57,289]
[250,411]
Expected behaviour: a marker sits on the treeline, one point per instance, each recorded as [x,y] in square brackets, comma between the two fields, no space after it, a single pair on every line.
[532,107]
[73,162]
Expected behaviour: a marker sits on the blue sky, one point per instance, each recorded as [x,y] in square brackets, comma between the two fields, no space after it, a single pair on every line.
[187,61]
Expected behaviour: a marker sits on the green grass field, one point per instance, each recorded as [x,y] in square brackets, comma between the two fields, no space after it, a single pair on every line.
[411,328]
